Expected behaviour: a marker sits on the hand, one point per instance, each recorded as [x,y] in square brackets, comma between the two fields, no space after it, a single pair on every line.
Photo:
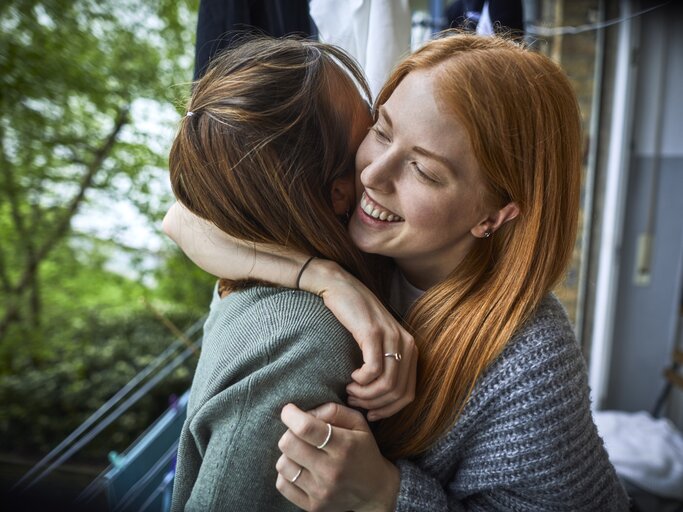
[349,473]
[382,385]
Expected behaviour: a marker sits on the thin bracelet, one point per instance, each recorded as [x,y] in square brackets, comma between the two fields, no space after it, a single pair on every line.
[301,272]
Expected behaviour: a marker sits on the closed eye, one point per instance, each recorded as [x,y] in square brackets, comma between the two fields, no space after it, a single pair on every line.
[380,134]
[421,174]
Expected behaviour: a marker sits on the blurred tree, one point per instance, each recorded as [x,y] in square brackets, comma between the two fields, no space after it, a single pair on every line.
[70,71]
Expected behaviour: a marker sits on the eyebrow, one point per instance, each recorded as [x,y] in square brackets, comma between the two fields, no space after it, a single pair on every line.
[383,113]
[442,159]
[417,149]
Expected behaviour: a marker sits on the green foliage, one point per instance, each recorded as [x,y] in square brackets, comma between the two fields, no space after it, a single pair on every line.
[73,74]
[41,406]
[70,72]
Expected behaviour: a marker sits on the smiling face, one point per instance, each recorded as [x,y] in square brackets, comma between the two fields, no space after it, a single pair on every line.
[422,199]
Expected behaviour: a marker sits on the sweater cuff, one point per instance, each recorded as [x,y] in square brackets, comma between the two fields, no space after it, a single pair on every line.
[418,491]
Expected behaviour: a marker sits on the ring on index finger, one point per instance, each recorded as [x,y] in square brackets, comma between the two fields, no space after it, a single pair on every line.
[395,355]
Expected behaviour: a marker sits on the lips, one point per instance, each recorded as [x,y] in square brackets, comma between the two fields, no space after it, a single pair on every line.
[376,211]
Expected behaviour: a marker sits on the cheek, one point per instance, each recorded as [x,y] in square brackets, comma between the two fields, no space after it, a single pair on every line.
[424,211]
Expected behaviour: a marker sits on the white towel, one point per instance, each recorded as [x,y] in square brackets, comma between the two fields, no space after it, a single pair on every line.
[645,451]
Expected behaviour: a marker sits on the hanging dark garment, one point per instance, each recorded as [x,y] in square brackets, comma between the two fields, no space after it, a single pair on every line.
[221,21]
[505,15]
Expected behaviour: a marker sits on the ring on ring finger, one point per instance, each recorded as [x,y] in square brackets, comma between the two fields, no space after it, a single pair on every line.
[298,474]
[327,438]
[395,355]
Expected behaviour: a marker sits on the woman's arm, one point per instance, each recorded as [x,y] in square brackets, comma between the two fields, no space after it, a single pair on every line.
[221,255]
[350,473]
[382,385]
[528,423]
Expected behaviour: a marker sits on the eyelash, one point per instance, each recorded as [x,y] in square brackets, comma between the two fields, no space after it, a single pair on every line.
[421,173]
[379,133]
[382,137]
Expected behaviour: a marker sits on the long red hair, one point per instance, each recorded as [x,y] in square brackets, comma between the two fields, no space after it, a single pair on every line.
[523,121]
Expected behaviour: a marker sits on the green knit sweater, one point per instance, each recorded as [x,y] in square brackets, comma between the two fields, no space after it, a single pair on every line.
[263,348]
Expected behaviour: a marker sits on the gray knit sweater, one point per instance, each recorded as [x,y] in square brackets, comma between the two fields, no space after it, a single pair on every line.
[526,440]
[263,348]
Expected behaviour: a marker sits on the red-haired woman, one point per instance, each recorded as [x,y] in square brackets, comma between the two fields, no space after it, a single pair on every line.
[469,179]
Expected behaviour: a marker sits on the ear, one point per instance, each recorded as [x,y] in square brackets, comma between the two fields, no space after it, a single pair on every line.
[343,194]
[495,220]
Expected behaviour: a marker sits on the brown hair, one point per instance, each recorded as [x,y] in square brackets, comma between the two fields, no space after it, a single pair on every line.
[267,135]
[523,122]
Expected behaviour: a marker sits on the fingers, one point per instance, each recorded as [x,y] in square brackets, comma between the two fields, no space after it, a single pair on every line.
[306,433]
[386,383]
[392,408]
[373,347]
[340,416]
[372,364]
[382,398]
[305,426]
[395,372]
[290,491]
[370,341]
[290,470]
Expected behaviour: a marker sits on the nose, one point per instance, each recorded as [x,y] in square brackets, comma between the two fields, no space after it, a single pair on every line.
[381,171]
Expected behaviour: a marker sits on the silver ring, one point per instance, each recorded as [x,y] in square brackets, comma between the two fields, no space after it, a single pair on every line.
[327,439]
[395,355]
[298,474]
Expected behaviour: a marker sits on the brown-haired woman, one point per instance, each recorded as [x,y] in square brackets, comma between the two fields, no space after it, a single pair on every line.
[265,153]
[470,179]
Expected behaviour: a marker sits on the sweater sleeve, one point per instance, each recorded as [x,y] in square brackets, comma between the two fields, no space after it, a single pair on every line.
[418,491]
[302,356]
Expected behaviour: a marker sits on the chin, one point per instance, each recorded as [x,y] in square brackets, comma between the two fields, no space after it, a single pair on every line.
[359,238]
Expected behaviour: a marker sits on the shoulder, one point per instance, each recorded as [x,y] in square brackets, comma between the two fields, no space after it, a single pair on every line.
[541,373]
[272,309]
[532,409]
[273,340]
[548,329]
[277,323]
[543,350]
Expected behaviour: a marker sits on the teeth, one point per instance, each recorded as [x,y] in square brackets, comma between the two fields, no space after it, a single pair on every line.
[375,212]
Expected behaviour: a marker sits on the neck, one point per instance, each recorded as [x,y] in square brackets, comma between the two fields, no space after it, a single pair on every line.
[426,272]
[421,276]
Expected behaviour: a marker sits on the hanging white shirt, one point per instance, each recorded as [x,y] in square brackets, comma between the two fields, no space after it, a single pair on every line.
[485,25]
[375,32]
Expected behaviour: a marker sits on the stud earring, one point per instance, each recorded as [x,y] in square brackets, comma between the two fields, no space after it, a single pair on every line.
[487,234]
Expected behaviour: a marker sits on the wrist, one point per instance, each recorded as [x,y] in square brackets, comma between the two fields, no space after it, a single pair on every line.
[393,485]
[319,275]
[385,495]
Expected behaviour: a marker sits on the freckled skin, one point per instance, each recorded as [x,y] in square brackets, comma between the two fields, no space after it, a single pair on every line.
[440,201]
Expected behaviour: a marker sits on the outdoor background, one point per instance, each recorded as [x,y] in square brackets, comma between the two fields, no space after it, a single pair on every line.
[91,291]
[90,94]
